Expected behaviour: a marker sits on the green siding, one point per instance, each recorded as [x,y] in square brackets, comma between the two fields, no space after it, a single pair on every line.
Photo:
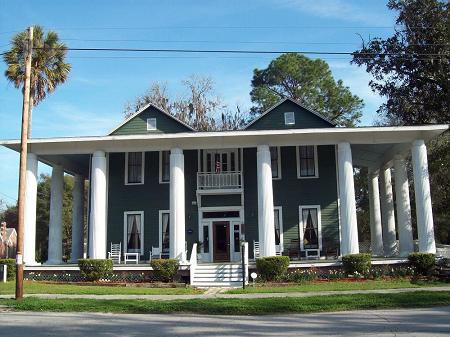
[138,124]
[149,197]
[274,120]
[291,192]
[221,200]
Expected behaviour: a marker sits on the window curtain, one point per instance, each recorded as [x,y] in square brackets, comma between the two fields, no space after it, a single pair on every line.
[277,226]
[134,233]
[274,161]
[165,232]
[134,167]
[165,166]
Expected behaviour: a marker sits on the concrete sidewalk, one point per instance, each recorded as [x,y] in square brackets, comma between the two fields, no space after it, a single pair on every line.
[222,295]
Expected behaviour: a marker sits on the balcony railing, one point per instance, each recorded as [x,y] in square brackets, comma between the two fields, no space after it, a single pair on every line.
[224,180]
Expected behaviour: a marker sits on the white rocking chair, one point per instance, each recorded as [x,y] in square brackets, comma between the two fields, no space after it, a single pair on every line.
[155,253]
[256,251]
[115,253]
[279,250]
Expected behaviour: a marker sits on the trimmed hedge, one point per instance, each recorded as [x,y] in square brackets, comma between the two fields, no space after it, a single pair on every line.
[10,268]
[95,269]
[422,263]
[165,269]
[357,264]
[272,268]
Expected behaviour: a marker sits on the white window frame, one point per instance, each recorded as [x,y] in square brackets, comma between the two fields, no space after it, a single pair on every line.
[160,168]
[278,163]
[152,121]
[286,120]
[280,221]
[125,229]
[301,225]
[161,212]
[142,169]
[316,163]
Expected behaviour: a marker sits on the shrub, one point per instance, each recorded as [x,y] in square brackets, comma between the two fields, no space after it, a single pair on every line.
[272,268]
[422,263]
[10,268]
[356,264]
[165,269]
[95,269]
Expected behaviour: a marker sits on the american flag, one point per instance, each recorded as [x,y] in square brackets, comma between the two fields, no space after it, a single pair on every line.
[218,167]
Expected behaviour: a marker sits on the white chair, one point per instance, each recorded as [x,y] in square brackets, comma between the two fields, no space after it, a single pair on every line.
[155,253]
[115,252]
[256,251]
[279,250]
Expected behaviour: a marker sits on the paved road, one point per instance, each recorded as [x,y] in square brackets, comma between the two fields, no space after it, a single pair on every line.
[403,322]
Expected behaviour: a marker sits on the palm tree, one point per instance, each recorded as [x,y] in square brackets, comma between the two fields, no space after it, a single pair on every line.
[48,68]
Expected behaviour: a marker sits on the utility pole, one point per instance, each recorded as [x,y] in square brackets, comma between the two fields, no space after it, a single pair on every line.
[23,166]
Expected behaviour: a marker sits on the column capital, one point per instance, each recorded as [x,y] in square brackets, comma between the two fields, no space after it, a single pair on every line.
[99,153]
[418,142]
[263,148]
[176,150]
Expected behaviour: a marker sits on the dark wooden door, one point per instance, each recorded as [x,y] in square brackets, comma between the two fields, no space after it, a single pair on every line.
[221,241]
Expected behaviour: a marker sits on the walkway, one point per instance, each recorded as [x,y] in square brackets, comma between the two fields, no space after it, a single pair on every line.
[399,322]
[209,295]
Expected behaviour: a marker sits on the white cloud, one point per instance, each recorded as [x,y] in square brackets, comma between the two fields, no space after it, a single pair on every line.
[337,9]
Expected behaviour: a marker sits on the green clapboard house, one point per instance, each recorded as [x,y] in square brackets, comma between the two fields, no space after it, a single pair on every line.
[283,185]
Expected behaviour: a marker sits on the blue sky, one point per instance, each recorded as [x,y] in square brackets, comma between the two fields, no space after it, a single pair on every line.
[100,84]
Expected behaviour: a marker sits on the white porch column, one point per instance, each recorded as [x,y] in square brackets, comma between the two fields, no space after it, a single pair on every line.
[29,254]
[56,209]
[388,216]
[405,237]
[376,237]
[349,226]
[77,218]
[424,213]
[97,217]
[177,206]
[266,227]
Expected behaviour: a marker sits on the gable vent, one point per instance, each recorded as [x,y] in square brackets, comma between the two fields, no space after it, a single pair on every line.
[289,118]
[151,124]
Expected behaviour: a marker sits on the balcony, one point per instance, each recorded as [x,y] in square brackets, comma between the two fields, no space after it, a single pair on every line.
[209,182]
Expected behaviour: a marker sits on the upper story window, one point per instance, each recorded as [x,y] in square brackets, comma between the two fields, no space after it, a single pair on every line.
[289,118]
[134,168]
[164,166]
[307,163]
[151,124]
[275,162]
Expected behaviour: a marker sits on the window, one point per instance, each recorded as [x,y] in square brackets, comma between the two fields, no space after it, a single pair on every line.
[307,162]
[275,162]
[237,238]
[310,227]
[134,232]
[205,239]
[134,168]
[278,222]
[289,118]
[164,166]
[164,231]
[151,124]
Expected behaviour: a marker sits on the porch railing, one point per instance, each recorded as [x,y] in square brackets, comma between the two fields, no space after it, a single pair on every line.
[224,180]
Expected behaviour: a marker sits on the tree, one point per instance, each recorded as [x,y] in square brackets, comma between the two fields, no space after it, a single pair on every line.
[412,70]
[198,106]
[309,82]
[49,68]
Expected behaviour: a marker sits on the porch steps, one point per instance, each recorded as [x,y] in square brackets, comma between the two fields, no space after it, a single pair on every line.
[217,275]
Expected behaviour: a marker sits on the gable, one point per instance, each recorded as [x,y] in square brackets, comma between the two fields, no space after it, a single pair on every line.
[137,123]
[273,119]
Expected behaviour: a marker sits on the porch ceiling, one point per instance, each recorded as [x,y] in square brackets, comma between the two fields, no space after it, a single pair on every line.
[72,163]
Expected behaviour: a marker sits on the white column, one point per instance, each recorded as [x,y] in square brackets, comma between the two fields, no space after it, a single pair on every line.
[29,254]
[77,218]
[177,206]
[405,237]
[387,210]
[56,209]
[97,217]
[349,226]
[376,237]
[266,227]
[424,212]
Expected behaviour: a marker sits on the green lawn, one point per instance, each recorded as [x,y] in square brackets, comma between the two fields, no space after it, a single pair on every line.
[34,287]
[238,306]
[336,285]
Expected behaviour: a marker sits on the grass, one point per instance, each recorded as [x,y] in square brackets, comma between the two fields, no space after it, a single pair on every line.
[235,306]
[336,286]
[35,287]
